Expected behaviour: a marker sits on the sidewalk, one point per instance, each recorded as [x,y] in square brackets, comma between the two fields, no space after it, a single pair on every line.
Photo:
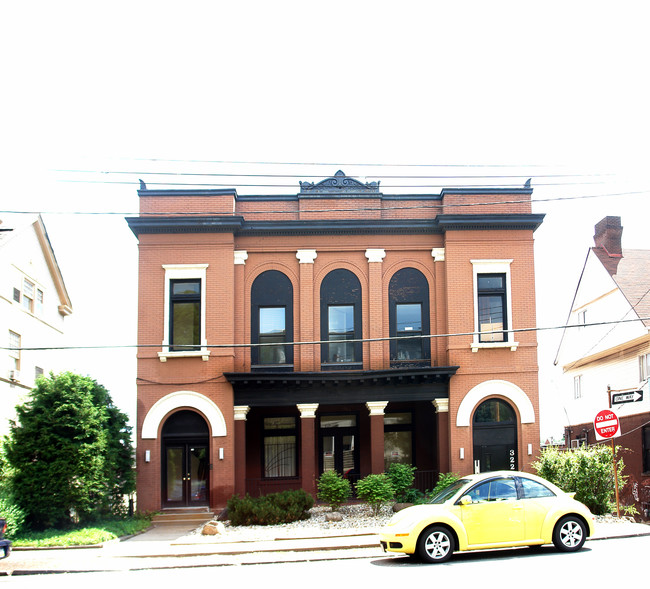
[174,547]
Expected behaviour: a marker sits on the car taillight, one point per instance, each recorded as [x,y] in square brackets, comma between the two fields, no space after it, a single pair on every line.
[4,527]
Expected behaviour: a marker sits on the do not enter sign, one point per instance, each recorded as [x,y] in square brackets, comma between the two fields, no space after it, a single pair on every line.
[606,425]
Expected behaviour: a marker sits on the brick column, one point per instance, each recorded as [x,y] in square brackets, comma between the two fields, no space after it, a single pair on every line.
[376,409]
[240,448]
[241,354]
[375,310]
[304,357]
[308,447]
[439,351]
[442,413]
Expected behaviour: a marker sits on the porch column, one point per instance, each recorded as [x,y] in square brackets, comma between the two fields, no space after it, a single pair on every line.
[376,409]
[376,311]
[240,353]
[442,413]
[240,448]
[304,357]
[308,446]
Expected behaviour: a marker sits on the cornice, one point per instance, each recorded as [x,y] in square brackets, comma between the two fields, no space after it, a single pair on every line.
[522,221]
[238,225]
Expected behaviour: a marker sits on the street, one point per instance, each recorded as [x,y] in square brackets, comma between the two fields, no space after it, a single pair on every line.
[597,562]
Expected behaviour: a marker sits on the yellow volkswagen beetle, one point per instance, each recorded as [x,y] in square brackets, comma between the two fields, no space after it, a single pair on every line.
[489,510]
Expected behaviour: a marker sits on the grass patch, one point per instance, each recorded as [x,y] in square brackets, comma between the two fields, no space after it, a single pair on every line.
[96,533]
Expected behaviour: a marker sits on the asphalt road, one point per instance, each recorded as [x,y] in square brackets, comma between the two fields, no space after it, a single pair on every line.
[599,563]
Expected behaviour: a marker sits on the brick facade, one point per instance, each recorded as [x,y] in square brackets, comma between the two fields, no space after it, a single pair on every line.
[225,242]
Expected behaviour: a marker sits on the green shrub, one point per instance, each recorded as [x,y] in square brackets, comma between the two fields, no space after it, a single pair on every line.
[376,490]
[276,508]
[444,480]
[333,489]
[14,516]
[402,477]
[587,472]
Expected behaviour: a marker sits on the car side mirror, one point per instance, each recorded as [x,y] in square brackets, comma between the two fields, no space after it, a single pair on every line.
[465,500]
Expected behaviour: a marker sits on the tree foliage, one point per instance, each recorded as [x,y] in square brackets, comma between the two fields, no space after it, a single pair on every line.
[587,472]
[70,452]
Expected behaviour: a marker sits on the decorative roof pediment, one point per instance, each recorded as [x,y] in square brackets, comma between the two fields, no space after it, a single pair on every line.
[337,184]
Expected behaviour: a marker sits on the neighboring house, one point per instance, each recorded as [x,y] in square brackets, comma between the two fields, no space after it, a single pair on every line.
[338,328]
[605,353]
[33,305]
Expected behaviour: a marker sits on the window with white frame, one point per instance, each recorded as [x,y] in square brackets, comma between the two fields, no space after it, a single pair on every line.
[15,344]
[39,302]
[29,290]
[184,320]
[492,304]
[644,366]
[577,387]
[582,318]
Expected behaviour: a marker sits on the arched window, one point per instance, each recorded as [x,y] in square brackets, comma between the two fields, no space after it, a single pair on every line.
[408,315]
[340,311]
[272,320]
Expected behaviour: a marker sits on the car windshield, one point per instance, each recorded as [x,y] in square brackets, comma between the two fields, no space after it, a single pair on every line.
[449,491]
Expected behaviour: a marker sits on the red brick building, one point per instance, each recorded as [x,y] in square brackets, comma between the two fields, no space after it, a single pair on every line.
[336,328]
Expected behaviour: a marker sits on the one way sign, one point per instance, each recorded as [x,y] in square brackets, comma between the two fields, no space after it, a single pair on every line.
[629,397]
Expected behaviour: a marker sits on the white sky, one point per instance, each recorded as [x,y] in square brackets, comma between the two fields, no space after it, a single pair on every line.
[542,88]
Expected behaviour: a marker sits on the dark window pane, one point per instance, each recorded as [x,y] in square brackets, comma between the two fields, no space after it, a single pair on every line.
[491,281]
[185,314]
[272,330]
[338,421]
[494,411]
[280,456]
[398,419]
[341,329]
[186,325]
[409,317]
[279,423]
[398,448]
[189,287]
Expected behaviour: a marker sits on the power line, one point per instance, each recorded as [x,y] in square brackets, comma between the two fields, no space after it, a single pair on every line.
[324,342]
[354,209]
[400,186]
[380,176]
[331,164]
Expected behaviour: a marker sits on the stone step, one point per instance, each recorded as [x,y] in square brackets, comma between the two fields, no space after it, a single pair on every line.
[182,516]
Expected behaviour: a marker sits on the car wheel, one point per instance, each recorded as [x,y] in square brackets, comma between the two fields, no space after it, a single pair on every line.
[436,544]
[569,534]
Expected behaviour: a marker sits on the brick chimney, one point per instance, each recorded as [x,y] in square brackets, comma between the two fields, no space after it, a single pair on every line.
[607,241]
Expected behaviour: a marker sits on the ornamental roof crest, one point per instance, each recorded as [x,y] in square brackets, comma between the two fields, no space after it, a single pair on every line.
[339,183]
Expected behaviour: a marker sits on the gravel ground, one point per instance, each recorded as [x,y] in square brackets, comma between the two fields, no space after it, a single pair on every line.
[355,519]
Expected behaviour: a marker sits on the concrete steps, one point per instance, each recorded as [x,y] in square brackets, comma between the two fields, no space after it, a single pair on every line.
[183,516]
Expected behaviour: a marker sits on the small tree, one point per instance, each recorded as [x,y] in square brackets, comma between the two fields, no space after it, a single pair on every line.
[376,490]
[67,451]
[333,489]
[587,472]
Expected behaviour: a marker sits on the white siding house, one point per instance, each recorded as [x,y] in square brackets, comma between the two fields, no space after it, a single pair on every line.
[605,350]
[33,305]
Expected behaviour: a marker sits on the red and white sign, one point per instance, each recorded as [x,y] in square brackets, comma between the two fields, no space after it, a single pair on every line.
[606,425]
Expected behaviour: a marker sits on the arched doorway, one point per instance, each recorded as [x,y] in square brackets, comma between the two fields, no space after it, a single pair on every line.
[186,460]
[495,436]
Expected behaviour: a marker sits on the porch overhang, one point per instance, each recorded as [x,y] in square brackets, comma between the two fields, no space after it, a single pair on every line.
[263,389]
